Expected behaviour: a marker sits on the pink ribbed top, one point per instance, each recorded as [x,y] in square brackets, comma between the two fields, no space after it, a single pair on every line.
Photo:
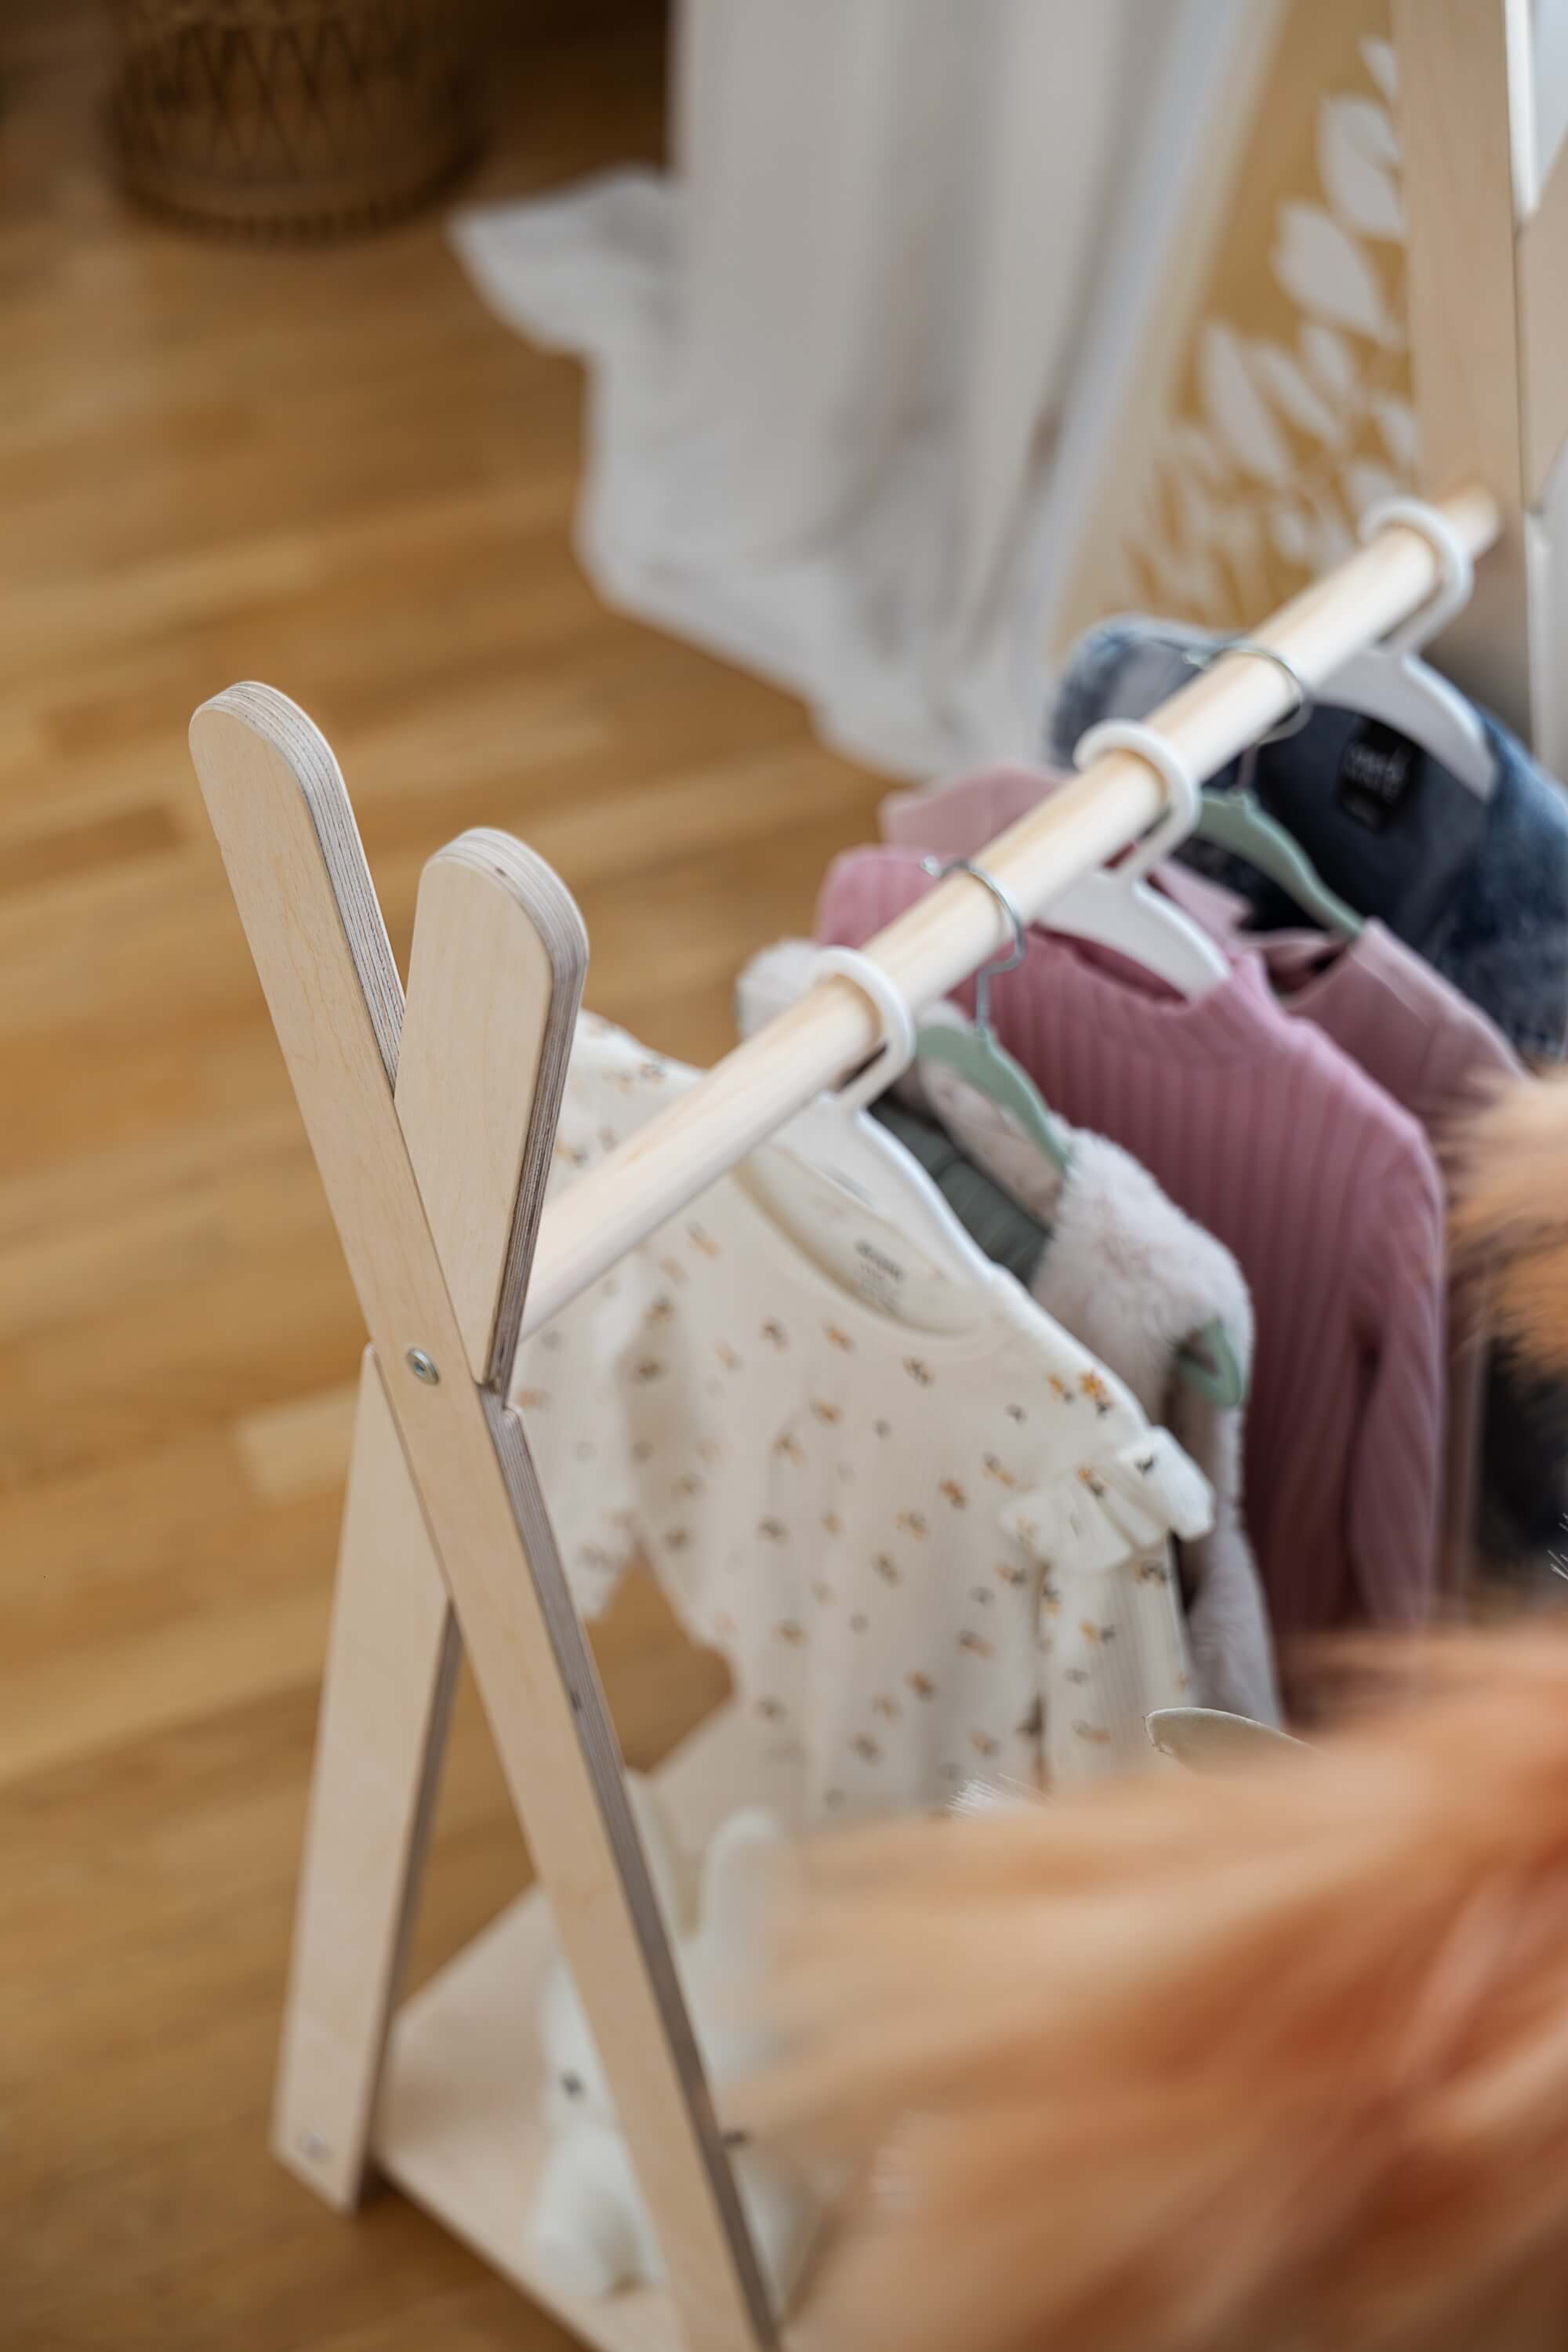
[1327,1193]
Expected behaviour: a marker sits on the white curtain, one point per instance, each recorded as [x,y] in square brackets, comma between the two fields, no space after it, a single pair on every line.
[830,352]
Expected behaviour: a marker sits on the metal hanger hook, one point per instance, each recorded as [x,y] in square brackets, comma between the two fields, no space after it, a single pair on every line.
[1005,961]
[1205,656]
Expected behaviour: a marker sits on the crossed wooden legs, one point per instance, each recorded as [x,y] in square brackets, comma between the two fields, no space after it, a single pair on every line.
[435,1192]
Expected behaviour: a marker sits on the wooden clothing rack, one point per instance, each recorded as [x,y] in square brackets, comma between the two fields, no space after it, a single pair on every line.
[433,1121]
[433,1118]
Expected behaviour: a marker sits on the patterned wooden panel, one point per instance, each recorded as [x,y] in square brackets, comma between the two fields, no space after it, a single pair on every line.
[1289,410]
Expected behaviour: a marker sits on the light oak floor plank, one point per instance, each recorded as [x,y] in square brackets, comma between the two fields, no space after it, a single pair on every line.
[336,472]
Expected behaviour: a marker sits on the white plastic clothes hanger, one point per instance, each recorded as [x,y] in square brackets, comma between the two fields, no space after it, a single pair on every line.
[1118,910]
[1390,682]
[837,1141]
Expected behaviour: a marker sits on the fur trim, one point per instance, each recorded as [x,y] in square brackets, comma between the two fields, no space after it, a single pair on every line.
[1169,1279]
[1510,1179]
[1195,2064]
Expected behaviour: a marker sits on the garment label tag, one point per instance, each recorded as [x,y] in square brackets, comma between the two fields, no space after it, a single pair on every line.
[881,1278]
[1379,771]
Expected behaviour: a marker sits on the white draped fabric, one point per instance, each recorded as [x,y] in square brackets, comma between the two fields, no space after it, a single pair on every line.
[830,353]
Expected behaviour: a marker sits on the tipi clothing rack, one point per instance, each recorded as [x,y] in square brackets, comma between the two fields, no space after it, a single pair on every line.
[433,1119]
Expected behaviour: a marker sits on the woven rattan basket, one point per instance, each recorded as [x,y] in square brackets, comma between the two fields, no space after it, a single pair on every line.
[294,118]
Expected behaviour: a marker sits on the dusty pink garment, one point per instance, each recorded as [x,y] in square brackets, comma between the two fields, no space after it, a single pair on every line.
[1328,1195]
[1438,1056]
[1406,1026]
[1401,1023]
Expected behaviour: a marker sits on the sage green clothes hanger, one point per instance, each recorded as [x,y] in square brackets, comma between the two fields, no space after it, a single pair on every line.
[1238,822]
[1208,1362]
[977,1057]
[1009,1233]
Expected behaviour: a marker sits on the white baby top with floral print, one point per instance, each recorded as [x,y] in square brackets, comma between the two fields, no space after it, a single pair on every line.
[925,1526]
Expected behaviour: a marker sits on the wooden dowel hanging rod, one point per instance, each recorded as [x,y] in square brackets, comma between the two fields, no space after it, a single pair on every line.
[744,1097]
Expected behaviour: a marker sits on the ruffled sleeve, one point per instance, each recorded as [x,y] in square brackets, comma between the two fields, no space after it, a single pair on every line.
[1112,1643]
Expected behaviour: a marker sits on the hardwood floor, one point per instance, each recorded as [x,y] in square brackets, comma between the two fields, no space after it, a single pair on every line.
[333,471]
